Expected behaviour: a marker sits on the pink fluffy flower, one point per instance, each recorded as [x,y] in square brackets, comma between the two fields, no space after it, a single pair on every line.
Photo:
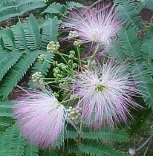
[41,118]
[97,24]
[105,94]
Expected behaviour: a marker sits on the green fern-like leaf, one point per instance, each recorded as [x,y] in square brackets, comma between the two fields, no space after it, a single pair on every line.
[10,59]
[6,109]
[30,150]
[117,52]
[6,114]
[54,8]
[49,32]
[141,74]
[147,4]
[7,39]
[32,33]
[106,134]
[51,153]
[71,5]
[17,72]
[70,134]
[41,67]
[11,143]
[16,8]
[130,44]
[147,45]
[128,13]
[93,148]
[19,36]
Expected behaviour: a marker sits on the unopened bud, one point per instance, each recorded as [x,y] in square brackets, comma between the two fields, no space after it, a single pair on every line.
[53,46]
[77,43]
[132,151]
[41,58]
[72,35]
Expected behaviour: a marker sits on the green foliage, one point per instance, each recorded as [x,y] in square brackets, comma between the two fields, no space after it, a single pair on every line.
[49,31]
[147,44]
[71,134]
[30,150]
[50,153]
[6,109]
[10,59]
[6,116]
[128,13]
[26,47]
[141,73]
[54,8]
[148,3]
[16,73]
[57,8]
[16,8]
[106,134]
[129,42]
[96,143]
[71,5]
[97,148]
[12,143]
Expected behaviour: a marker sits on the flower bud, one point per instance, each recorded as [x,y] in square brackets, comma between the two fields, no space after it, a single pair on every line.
[132,151]
[72,35]
[41,58]
[36,77]
[52,46]
[77,43]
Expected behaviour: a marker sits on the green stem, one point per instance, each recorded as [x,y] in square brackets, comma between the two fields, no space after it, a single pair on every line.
[79,57]
[95,3]
[48,78]
[96,49]
[61,54]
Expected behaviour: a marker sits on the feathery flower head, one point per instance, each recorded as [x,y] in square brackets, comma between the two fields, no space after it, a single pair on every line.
[105,94]
[97,24]
[40,117]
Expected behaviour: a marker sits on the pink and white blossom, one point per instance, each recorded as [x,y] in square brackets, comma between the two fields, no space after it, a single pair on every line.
[105,94]
[97,24]
[40,117]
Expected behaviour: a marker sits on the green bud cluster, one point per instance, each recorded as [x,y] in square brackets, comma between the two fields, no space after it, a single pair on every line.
[41,58]
[72,35]
[37,77]
[71,55]
[56,94]
[77,43]
[74,114]
[63,72]
[71,59]
[60,70]
[53,46]
[151,128]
